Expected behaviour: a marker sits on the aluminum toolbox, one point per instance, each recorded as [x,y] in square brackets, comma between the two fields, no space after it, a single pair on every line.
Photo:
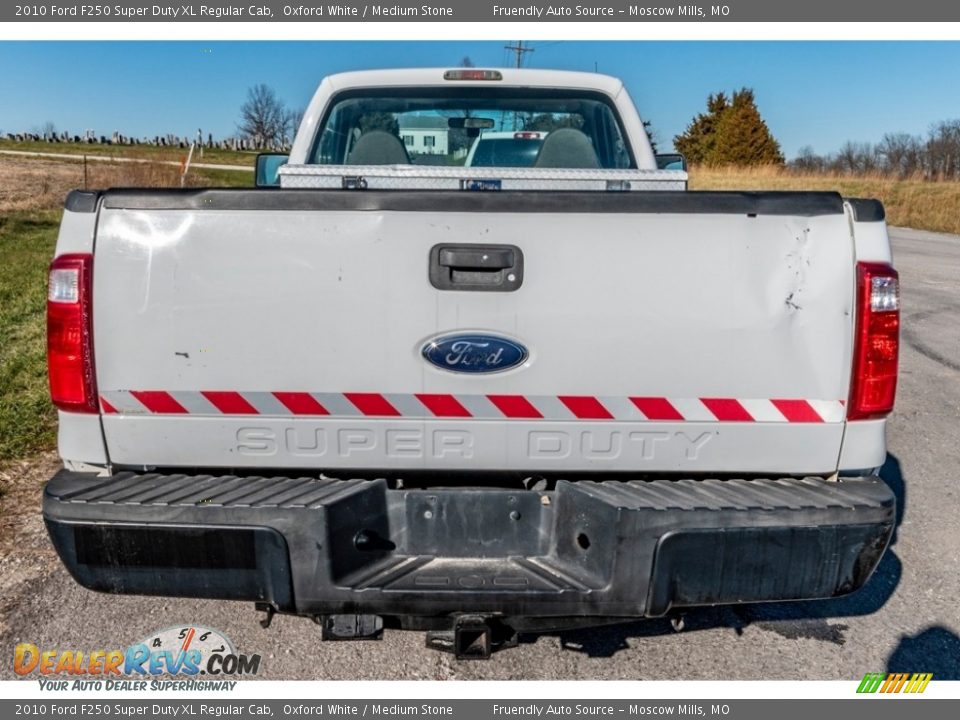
[409,177]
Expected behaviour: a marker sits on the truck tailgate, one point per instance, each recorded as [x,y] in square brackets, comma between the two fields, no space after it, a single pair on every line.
[666,332]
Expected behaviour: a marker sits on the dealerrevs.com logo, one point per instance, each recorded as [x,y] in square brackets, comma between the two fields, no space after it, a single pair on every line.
[184,651]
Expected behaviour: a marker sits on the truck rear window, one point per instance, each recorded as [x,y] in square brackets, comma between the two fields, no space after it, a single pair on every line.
[489,127]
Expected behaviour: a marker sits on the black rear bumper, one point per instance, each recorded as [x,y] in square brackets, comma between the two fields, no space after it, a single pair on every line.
[587,549]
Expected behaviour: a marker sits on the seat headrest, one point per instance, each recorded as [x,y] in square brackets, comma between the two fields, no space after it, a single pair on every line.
[378,147]
[567,148]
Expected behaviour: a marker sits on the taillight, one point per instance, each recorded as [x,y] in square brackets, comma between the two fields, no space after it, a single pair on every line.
[876,343]
[526,135]
[69,334]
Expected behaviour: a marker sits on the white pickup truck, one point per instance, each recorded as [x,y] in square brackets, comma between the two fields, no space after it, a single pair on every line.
[402,391]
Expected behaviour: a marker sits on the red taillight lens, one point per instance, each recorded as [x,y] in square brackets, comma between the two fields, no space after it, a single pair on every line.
[69,334]
[472,75]
[877,342]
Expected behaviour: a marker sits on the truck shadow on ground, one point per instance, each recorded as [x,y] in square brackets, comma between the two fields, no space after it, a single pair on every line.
[791,620]
[934,650]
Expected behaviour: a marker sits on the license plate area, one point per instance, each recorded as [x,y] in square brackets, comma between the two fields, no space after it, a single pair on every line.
[481,523]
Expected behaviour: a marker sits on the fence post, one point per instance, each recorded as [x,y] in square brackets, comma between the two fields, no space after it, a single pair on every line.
[185,168]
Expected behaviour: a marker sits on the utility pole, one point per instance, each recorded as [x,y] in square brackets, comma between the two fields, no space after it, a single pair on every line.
[520,51]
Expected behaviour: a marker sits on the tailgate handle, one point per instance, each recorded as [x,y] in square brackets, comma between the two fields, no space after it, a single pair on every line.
[477,259]
[491,268]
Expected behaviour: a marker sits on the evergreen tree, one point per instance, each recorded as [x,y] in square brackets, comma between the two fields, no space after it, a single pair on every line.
[732,131]
[648,128]
[743,137]
[698,140]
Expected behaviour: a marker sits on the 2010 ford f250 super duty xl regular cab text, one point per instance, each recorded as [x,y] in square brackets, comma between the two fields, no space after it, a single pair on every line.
[399,390]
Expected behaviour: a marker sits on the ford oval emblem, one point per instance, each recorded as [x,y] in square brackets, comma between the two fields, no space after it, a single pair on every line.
[474,353]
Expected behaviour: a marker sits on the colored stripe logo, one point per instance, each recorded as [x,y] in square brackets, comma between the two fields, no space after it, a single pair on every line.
[894,683]
[425,406]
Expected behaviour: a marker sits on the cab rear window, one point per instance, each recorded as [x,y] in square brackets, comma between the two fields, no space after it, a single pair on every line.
[488,127]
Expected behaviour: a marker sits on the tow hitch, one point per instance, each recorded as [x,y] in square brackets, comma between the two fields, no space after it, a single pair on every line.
[473,637]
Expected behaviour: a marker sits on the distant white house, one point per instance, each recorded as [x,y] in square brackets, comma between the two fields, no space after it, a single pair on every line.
[424,135]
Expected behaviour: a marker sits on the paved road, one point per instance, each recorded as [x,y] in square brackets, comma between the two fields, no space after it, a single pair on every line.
[907,618]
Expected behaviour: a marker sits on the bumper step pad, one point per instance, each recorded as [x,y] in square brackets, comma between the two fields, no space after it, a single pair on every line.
[599,549]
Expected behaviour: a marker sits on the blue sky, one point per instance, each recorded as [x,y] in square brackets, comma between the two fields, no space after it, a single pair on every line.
[811,93]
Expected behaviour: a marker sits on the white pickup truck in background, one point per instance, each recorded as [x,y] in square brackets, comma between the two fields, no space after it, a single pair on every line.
[402,390]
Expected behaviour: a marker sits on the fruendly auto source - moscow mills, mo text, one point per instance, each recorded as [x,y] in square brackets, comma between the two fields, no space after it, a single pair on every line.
[359,11]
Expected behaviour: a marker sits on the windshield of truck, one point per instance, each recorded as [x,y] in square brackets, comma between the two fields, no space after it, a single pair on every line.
[490,127]
[514,149]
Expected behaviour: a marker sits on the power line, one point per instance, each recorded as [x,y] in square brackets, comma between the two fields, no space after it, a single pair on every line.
[520,51]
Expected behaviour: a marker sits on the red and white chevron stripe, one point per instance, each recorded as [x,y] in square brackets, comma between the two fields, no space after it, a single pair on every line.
[510,407]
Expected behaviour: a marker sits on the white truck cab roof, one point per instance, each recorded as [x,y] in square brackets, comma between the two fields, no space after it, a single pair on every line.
[505,77]
[514,77]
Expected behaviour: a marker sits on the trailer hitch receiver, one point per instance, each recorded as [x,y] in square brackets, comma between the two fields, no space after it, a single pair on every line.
[473,637]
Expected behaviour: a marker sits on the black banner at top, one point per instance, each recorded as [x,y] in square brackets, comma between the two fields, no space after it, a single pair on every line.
[486,11]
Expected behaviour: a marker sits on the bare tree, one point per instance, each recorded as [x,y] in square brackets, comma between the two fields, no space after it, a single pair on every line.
[807,161]
[901,154]
[855,158]
[943,150]
[292,120]
[846,159]
[869,159]
[263,117]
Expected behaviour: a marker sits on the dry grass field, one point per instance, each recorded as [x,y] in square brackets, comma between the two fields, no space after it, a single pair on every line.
[915,203]
[31,184]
